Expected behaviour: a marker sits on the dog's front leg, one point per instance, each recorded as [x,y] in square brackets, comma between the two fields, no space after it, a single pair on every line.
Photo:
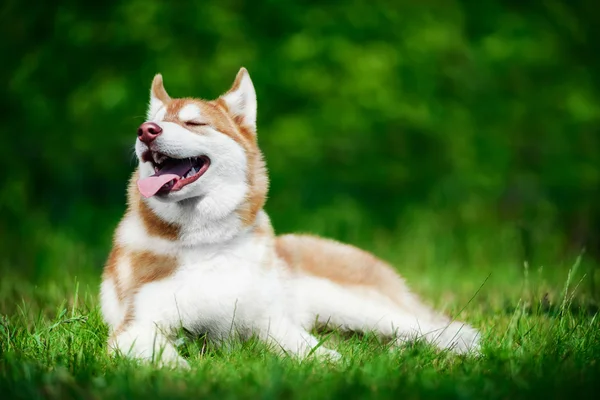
[146,342]
[291,339]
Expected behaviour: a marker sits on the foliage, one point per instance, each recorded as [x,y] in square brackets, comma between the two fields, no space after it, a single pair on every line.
[379,120]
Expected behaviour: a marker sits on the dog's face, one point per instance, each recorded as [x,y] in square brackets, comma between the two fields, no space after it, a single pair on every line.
[205,150]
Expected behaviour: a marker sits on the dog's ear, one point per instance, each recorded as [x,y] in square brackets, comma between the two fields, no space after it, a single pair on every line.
[241,100]
[158,97]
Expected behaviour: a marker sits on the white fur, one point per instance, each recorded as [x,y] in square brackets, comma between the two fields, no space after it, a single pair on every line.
[242,101]
[160,114]
[112,309]
[189,112]
[365,309]
[132,234]
[156,109]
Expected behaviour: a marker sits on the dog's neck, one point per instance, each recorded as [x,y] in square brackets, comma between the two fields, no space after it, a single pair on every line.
[194,223]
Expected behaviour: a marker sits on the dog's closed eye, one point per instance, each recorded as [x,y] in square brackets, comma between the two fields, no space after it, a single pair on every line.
[196,123]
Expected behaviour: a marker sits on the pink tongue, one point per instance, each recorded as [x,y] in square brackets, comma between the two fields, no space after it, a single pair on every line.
[149,186]
[152,184]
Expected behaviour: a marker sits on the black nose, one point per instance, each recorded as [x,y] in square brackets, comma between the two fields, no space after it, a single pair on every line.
[148,131]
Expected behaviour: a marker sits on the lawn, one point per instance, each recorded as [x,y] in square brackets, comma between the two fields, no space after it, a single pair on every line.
[541,339]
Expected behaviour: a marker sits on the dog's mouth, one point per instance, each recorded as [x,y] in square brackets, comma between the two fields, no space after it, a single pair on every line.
[171,174]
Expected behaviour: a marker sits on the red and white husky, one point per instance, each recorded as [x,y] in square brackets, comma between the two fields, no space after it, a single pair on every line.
[196,250]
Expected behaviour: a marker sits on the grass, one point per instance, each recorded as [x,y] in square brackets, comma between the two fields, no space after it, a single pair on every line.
[540,328]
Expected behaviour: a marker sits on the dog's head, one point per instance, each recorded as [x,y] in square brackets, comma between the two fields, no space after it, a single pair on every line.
[205,153]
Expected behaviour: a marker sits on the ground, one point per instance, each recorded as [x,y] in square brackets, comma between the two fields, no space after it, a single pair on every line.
[540,330]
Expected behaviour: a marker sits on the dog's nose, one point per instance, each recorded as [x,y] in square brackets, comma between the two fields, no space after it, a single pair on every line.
[148,131]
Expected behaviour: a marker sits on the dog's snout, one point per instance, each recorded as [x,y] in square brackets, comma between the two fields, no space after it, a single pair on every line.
[148,131]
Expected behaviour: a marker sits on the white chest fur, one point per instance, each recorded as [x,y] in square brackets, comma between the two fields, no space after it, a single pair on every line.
[217,289]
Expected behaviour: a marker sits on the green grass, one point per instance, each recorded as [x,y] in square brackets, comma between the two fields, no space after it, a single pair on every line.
[541,339]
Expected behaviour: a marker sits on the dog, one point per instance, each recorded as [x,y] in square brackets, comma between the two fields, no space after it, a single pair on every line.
[195,250]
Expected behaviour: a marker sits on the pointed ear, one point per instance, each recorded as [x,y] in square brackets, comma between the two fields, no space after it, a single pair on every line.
[158,96]
[241,100]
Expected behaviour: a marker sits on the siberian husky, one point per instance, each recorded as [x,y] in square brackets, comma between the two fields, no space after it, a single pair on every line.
[195,249]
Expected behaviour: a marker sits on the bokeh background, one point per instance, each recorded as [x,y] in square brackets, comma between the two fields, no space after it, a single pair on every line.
[441,132]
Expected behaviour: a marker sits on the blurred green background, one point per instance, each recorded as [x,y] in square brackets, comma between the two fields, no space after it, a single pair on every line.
[450,132]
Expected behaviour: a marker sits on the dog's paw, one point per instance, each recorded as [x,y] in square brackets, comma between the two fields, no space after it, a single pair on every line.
[173,363]
[325,354]
[459,338]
